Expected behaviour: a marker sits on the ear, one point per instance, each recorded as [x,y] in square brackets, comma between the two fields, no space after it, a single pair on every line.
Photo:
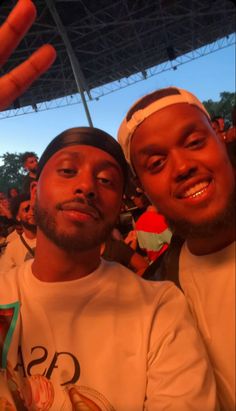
[138,183]
[18,218]
[33,192]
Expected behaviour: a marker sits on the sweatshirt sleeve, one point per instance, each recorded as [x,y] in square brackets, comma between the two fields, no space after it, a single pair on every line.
[179,374]
[7,259]
[6,400]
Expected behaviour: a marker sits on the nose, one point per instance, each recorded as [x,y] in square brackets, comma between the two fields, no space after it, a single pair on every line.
[85,185]
[183,165]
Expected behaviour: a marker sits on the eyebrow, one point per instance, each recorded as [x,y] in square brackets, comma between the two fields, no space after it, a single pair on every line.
[185,132]
[68,154]
[103,164]
[150,149]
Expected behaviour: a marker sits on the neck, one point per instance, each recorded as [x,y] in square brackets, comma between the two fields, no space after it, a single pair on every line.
[52,264]
[213,243]
[29,234]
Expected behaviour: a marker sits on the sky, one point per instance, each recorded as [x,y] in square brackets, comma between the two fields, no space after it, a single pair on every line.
[206,77]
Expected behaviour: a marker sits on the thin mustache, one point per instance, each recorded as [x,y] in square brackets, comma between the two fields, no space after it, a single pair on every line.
[79,200]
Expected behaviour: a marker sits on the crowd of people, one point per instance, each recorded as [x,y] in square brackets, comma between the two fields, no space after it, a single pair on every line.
[117,273]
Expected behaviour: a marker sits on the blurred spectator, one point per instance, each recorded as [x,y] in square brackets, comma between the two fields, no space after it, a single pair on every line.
[218,125]
[12,192]
[5,206]
[22,247]
[140,203]
[153,233]
[7,223]
[117,250]
[231,132]
[30,164]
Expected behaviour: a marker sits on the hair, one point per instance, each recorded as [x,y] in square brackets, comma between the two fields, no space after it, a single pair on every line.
[16,202]
[26,155]
[217,118]
[85,136]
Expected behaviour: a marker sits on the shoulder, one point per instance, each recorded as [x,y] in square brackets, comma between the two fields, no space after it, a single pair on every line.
[134,285]
[14,241]
[10,283]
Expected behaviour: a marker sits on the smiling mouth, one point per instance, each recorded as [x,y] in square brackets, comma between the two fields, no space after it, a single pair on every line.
[197,190]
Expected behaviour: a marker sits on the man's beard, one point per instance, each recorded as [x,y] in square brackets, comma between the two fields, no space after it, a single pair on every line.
[205,229]
[30,227]
[71,242]
[34,170]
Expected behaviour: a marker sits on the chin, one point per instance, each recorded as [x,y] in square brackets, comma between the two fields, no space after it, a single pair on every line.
[207,226]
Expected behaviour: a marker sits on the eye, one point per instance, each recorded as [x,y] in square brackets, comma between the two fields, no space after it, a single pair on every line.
[155,163]
[105,181]
[66,172]
[107,178]
[196,142]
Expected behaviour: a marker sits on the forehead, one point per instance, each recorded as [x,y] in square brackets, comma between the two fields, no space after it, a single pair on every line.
[31,159]
[79,154]
[174,119]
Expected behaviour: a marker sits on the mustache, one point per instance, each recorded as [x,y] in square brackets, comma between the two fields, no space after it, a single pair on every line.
[29,226]
[84,202]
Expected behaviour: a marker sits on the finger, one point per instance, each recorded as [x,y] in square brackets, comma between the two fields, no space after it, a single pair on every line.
[14,28]
[13,84]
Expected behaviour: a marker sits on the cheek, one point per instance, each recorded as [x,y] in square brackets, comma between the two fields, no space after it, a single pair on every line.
[49,191]
[156,190]
[111,204]
[226,184]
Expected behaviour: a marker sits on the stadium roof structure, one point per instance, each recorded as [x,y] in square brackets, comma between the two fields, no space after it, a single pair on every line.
[104,45]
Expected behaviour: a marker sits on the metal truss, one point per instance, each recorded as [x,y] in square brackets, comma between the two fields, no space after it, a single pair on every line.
[104,45]
[125,82]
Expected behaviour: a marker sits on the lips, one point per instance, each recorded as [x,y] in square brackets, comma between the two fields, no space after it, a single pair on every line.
[80,208]
[194,189]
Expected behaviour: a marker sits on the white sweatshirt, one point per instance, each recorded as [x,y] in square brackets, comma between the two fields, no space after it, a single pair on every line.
[16,253]
[209,286]
[110,339]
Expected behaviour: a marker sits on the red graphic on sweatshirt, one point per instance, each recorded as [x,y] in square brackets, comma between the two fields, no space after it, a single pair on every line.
[6,316]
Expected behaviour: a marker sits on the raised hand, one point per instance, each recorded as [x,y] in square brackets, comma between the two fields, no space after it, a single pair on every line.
[14,83]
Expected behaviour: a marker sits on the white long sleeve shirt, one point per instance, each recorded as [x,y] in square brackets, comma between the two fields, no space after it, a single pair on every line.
[110,339]
[208,282]
[16,253]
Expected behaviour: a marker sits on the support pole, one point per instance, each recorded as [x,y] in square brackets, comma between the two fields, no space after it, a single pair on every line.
[73,59]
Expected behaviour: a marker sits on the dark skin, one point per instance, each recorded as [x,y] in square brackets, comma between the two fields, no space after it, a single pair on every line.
[62,268]
[16,82]
[186,173]
[25,216]
[201,246]
[88,184]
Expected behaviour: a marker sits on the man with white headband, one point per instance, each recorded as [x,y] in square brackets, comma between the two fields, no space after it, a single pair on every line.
[185,171]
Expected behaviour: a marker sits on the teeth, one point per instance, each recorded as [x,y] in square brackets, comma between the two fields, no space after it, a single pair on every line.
[196,190]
